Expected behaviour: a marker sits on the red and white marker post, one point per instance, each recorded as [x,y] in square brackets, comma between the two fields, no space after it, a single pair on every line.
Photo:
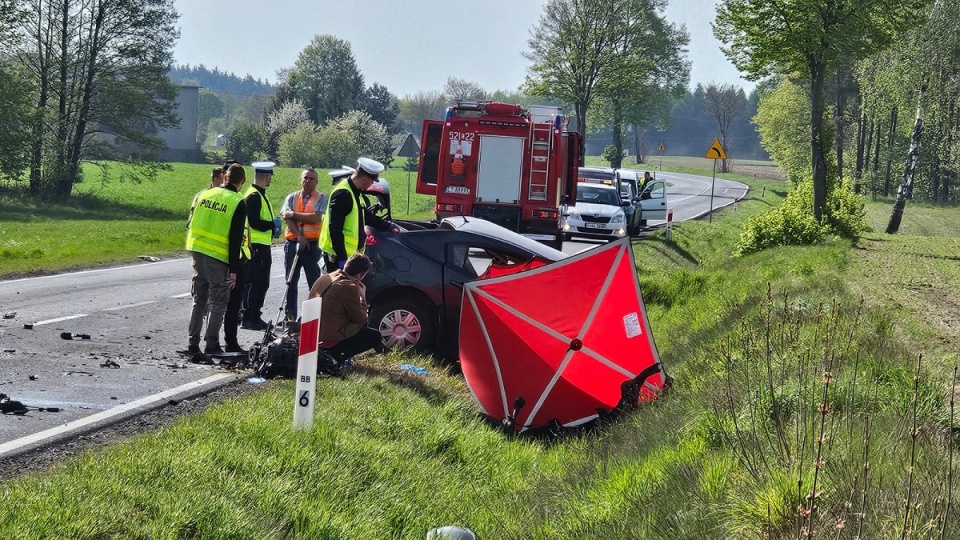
[669,232]
[307,365]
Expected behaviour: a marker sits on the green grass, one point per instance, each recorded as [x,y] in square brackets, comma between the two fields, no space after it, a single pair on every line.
[747,339]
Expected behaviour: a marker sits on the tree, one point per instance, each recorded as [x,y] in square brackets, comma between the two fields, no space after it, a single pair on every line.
[382,106]
[652,73]
[810,37]
[210,107]
[462,89]
[783,120]
[369,136]
[247,143]
[16,112]
[725,103]
[424,105]
[326,79]
[574,47]
[96,67]
[622,52]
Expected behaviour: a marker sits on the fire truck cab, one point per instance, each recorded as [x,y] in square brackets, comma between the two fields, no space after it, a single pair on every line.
[499,162]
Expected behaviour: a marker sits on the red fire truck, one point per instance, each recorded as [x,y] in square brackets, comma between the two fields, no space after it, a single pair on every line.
[502,163]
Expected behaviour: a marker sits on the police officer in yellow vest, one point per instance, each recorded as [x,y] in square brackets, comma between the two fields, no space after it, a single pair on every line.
[214,239]
[263,228]
[303,213]
[343,234]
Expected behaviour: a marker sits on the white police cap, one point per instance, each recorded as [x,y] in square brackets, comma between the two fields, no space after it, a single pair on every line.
[342,172]
[263,167]
[370,166]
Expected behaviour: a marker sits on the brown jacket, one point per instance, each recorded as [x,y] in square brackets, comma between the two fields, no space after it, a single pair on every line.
[343,311]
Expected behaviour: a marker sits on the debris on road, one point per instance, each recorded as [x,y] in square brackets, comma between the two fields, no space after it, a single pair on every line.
[27,326]
[70,335]
[110,364]
[149,258]
[10,315]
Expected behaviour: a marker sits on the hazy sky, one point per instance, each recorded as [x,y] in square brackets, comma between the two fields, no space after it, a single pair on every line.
[405,45]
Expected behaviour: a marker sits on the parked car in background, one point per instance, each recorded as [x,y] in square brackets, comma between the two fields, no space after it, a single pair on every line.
[598,212]
[416,287]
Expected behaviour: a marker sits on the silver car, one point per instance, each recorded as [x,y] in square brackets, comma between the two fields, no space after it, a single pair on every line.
[598,213]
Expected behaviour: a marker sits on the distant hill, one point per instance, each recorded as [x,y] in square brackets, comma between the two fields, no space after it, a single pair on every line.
[219,82]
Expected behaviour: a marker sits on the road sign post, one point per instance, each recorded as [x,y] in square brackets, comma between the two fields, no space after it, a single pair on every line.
[410,149]
[715,152]
[661,148]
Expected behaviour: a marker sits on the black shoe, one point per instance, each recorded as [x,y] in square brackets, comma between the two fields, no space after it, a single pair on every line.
[213,349]
[253,325]
[234,348]
[193,349]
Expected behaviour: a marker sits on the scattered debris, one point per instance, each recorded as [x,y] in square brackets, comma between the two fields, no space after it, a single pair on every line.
[414,369]
[149,258]
[9,406]
[110,364]
[34,378]
[10,315]
[9,350]
[256,380]
[27,326]
[70,335]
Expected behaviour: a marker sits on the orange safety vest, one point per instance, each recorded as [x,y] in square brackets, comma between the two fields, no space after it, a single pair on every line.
[311,231]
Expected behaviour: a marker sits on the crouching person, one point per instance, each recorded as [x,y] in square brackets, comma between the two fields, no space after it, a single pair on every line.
[343,313]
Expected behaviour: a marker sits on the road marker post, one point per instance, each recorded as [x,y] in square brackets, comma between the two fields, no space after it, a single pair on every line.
[669,232]
[307,365]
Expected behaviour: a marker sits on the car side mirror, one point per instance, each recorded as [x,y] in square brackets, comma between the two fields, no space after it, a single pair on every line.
[626,204]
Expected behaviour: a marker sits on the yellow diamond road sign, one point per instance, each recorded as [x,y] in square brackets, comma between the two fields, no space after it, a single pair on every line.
[716,150]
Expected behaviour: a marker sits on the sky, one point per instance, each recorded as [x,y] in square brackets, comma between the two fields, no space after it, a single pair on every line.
[406,45]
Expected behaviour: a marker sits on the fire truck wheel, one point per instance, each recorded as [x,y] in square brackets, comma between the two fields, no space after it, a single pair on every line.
[404,324]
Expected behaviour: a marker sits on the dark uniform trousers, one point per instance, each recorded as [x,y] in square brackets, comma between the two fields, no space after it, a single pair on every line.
[258,281]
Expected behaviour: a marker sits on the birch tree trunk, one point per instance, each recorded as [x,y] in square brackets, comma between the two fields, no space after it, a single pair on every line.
[905,190]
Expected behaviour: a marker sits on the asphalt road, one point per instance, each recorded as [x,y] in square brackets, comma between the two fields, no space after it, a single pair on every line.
[126,325]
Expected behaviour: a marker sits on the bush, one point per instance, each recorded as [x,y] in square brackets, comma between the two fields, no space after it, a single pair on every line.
[845,214]
[792,222]
[789,223]
[247,143]
[335,147]
[300,147]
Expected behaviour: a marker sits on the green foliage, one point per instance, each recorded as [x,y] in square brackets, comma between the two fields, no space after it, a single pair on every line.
[369,136]
[115,57]
[247,143]
[623,52]
[612,154]
[325,78]
[335,147]
[783,121]
[300,147]
[17,114]
[789,223]
[845,214]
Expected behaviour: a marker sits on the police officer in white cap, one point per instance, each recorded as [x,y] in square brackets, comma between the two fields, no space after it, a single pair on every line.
[343,233]
[339,174]
[264,227]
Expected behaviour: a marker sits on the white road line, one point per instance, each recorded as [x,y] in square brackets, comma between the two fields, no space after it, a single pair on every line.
[97,271]
[58,319]
[138,304]
[11,446]
[184,295]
